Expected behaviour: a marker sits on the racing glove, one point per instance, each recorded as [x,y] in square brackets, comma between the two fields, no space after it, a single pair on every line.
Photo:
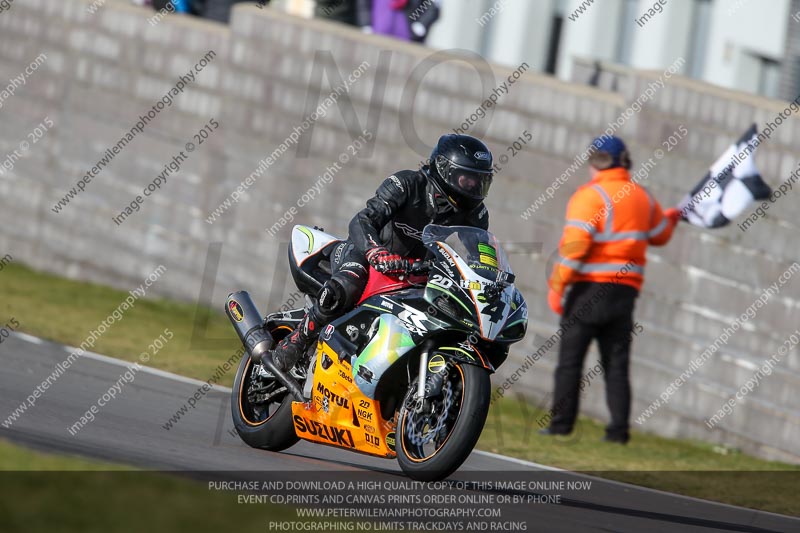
[386,262]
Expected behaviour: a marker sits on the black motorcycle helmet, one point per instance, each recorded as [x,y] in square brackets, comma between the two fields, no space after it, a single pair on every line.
[461,170]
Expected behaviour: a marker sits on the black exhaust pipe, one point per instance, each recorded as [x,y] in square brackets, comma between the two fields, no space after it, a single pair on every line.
[258,342]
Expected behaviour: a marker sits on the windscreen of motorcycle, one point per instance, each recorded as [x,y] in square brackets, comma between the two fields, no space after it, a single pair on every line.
[467,261]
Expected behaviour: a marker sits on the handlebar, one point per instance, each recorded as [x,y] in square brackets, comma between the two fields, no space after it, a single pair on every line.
[413,268]
[419,268]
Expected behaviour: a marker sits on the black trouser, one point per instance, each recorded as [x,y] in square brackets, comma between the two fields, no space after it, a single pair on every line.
[602,311]
[350,273]
[349,276]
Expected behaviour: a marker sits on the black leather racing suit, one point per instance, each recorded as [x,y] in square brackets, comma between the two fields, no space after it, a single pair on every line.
[403,205]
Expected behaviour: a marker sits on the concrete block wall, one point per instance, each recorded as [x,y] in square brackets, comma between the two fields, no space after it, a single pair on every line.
[104,70]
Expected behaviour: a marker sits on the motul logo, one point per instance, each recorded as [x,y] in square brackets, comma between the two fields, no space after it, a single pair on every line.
[338,436]
[338,400]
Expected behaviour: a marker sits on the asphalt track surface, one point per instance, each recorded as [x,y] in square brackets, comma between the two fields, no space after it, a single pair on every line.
[129,430]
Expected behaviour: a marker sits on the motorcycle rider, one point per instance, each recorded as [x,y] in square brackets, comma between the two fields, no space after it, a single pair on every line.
[387,234]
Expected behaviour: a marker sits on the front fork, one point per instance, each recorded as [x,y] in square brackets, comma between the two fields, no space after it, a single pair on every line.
[427,386]
[422,377]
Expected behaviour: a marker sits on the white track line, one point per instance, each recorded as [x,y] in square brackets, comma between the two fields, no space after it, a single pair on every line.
[521,462]
[149,370]
[29,338]
[120,362]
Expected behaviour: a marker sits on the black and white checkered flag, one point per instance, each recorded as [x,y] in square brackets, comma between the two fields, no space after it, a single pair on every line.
[730,187]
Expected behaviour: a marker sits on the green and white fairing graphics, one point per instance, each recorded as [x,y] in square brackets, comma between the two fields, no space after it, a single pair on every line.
[470,261]
[308,241]
[390,343]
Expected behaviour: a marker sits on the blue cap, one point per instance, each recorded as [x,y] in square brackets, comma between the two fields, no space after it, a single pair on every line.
[611,145]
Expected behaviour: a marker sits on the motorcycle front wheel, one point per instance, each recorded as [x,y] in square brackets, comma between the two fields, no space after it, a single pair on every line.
[436,437]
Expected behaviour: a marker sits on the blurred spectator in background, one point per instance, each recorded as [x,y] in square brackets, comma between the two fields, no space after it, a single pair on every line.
[422,14]
[178,6]
[388,17]
[353,12]
[220,10]
[409,20]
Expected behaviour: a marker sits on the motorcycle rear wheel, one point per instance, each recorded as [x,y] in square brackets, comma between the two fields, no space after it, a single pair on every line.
[436,440]
[263,425]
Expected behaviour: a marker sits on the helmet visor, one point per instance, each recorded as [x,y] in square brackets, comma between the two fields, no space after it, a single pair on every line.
[469,182]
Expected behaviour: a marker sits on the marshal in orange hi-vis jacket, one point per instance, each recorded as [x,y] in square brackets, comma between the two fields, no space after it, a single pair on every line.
[610,222]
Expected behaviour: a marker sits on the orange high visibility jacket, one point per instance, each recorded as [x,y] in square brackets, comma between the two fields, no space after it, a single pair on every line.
[610,222]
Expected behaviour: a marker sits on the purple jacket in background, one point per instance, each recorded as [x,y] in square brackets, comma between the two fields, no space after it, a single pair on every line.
[388,21]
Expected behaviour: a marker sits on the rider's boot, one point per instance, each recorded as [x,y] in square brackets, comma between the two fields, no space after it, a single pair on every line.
[292,347]
[329,305]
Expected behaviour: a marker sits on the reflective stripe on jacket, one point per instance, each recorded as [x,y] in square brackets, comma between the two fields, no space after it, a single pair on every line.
[610,222]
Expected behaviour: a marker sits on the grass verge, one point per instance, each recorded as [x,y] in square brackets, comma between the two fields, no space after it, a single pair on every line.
[688,467]
[65,311]
[44,492]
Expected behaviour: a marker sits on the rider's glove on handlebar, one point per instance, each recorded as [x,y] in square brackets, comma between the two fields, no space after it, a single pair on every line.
[386,262]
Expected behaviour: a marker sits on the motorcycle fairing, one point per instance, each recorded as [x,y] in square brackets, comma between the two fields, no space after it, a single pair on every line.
[378,283]
[339,413]
[467,289]
[392,325]
[517,323]
[343,411]
[308,242]
[465,353]
[391,342]
[310,258]
[355,351]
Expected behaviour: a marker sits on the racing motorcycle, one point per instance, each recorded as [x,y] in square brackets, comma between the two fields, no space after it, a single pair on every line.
[403,375]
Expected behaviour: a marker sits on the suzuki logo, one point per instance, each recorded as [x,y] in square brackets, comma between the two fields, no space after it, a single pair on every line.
[338,436]
[414,317]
